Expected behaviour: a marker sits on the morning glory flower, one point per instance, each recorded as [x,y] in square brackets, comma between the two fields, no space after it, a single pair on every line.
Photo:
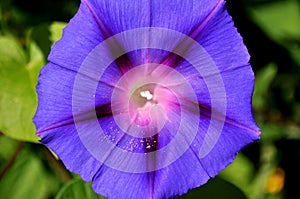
[147,99]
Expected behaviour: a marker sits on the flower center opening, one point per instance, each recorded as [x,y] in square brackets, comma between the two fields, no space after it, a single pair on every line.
[141,103]
[143,96]
[146,99]
[146,94]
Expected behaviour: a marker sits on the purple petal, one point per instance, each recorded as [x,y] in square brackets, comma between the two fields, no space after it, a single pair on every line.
[80,36]
[224,44]
[118,16]
[54,96]
[65,142]
[55,90]
[98,20]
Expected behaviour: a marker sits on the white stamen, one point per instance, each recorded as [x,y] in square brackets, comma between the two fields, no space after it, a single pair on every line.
[146,94]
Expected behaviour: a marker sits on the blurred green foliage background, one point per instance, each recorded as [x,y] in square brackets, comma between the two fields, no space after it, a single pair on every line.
[268,169]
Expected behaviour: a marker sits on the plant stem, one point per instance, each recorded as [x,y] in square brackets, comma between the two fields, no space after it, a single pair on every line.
[11,160]
[58,166]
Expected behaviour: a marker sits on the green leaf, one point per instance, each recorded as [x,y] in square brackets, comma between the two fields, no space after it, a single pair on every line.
[272,132]
[18,99]
[264,78]
[216,188]
[19,72]
[7,147]
[240,173]
[27,178]
[77,189]
[56,30]
[280,20]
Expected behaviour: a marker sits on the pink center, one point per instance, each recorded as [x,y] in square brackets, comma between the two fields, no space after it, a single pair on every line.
[142,99]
